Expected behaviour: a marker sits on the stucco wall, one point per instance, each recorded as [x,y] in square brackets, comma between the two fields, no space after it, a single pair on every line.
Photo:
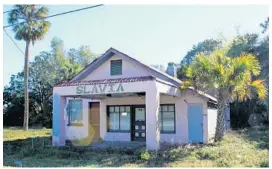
[181,107]
[181,135]
[77,132]
[128,70]
[212,117]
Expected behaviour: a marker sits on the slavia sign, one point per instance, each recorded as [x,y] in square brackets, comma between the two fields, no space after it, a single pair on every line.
[100,88]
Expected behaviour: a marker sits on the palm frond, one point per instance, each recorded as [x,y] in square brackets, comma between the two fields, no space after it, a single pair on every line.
[259,86]
[28,23]
[231,76]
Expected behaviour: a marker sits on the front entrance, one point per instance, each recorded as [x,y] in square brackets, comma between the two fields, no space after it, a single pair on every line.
[138,123]
[94,121]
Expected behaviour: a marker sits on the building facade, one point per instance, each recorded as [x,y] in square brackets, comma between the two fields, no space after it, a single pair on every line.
[118,98]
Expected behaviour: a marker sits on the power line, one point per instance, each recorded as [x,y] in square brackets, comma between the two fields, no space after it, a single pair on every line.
[14,42]
[63,13]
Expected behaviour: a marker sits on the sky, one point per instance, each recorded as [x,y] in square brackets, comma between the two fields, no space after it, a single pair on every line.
[153,34]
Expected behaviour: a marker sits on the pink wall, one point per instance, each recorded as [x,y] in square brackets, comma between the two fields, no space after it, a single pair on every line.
[128,70]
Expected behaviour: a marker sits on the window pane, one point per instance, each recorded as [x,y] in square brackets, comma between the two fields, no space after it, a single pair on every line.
[168,121]
[139,114]
[111,109]
[171,108]
[114,121]
[116,109]
[75,111]
[125,121]
[160,115]
[164,108]
[122,109]
[127,108]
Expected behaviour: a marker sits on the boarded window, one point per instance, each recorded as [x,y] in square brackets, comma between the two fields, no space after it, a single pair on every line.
[116,67]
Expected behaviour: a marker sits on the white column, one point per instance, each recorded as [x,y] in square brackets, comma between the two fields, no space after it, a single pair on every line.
[152,118]
[58,138]
[103,119]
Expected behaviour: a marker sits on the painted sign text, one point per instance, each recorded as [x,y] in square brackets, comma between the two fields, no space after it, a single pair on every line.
[100,88]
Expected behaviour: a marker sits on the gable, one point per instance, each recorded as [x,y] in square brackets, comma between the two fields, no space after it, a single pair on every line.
[133,68]
[128,70]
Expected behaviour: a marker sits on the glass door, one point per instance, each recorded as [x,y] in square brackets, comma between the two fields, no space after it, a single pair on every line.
[139,124]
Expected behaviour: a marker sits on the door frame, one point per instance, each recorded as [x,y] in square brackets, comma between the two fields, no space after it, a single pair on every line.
[202,123]
[133,121]
[89,108]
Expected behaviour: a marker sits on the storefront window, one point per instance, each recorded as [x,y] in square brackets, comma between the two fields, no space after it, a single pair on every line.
[119,118]
[75,112]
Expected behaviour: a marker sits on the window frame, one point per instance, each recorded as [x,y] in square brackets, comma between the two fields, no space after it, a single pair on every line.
[161,120]
[108,120]
[78,124]
[111,62]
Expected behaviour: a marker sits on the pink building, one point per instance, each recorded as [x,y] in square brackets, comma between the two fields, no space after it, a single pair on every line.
[117,98]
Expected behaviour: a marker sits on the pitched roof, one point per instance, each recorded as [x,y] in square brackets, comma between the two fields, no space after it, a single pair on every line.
[154,73]
[110,52]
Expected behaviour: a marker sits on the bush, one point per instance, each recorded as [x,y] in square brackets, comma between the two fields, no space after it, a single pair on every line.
[208,153]
[145,155]
[264,164]
[241,111]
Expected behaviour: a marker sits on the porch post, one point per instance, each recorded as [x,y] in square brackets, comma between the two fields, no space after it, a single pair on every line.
[58,138]
[152,118]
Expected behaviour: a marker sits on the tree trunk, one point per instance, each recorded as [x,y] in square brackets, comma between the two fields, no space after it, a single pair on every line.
[26,112]
[220,124]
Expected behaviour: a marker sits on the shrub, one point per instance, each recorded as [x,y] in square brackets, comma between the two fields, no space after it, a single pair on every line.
[208,153]
[264,164]
[145,155]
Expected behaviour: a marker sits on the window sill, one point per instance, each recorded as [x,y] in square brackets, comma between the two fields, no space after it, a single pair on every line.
[116,131]
[168,132]
[76,124]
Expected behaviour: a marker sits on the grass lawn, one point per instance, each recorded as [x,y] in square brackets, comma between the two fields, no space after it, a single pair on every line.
[243,148]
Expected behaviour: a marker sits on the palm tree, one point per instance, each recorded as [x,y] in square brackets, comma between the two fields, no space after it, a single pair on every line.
[230,78]
[29,25]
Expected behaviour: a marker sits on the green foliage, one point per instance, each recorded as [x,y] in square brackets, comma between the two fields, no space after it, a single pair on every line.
[241,111]
[206,47]
[145,155]
[231,77]
[265,25]
[228,78]
[48,69]
[251,43]
[241,148]
[83,56]
[28,22]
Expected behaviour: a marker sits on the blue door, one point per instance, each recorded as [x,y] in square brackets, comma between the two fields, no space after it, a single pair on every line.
[195,121]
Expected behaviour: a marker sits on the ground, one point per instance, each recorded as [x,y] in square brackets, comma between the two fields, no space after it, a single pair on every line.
[241,148]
